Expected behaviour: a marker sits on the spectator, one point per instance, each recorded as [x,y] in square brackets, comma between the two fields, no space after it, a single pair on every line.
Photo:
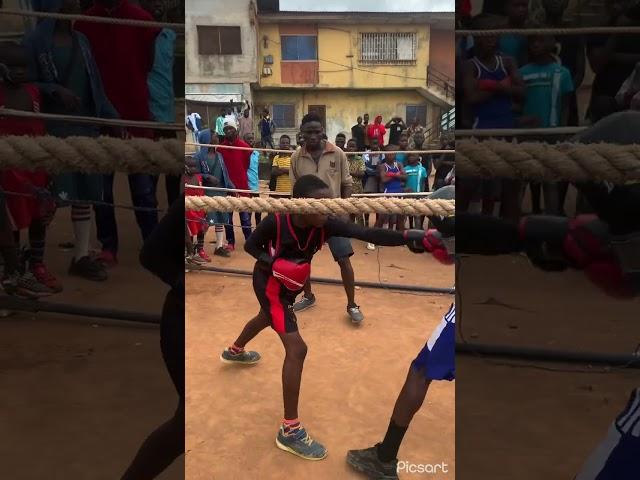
[403,146]
[358,133]
[318,157]
[211,164]
[237,163]
[25,210]
[161,93]
[281,166]
[356,170]
[365,126]
[570,50]
[417,181]
[299,140]
[267,129]
[377,130]
[219,130]
[253,178]
[341,140]
[628,97]
[371,179]
[70,83]
[122,50]
[396,126]
[415,127]
[246,121]
[416,141]
[548,86]
[194,124]
[491,84]
[514,45]
[392,178]
[613,57]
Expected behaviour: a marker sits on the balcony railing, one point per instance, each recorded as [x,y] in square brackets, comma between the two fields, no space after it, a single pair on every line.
[441,81]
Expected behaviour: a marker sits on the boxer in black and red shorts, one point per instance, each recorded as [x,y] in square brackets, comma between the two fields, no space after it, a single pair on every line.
[284,246]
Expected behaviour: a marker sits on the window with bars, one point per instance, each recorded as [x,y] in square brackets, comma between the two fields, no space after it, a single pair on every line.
[219,40]
[388,48]
[284,115]
[418,112]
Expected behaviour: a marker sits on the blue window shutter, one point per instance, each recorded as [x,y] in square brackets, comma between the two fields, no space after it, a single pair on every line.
[299,47]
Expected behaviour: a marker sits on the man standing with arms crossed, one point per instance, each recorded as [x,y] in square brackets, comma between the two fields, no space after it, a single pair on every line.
[326,161]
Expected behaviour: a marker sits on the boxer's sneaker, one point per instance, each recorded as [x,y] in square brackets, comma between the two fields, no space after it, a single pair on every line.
[355,314]
[301,444]
[304,303]
[243,358]
[367,462]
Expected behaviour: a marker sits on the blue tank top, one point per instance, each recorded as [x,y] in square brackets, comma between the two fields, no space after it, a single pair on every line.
[497,111]
[395,185]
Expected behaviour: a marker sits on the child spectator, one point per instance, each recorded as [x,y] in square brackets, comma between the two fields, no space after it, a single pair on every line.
[356,170]
[71,84]
[281,166]
[18,212]
[491,83]
[548,86]
[253,172]
[371,177]
[514,45]
[417,181]
[196,219]
[392,178]
[341,140]
[403,146]
[211,166]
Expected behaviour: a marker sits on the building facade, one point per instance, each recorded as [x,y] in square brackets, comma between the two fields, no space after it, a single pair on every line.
[220,39]
[343,65]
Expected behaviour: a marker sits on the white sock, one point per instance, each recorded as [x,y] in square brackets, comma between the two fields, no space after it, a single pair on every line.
[81,220]
[219,236]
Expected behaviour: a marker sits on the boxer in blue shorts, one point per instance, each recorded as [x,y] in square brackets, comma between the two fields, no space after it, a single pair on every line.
[436,361]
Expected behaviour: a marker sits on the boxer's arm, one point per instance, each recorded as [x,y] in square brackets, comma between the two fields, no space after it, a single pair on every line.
[378,236]
[257,243]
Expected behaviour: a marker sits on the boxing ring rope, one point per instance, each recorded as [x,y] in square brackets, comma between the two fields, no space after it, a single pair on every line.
[621,30]
[93,19]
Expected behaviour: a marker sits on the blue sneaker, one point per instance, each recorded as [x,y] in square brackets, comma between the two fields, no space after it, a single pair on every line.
[246,357]
[304,303]
[301,444]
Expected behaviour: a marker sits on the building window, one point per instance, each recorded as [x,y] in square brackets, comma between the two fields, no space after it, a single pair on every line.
[299,47]
[219,40]
[284,115]
[417,111]
[388,48]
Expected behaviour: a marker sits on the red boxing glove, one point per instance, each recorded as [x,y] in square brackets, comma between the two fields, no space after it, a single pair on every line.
[587,241]
[393,174]
[487,85]
[431,241]
[293,274]
[505,83]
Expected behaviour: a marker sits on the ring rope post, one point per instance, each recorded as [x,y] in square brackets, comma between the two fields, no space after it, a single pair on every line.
[324,206]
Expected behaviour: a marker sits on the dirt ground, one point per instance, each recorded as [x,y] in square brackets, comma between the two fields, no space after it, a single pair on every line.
[79,395]
[527,423]
[351,379]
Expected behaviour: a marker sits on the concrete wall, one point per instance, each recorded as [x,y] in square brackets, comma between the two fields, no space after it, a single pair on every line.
[220,68]
[340,44]
[343,106]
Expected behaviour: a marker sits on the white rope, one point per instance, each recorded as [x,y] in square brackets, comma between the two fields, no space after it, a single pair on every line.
[231,147]
[518,132]
[549,31]
[8,112]
[88,18]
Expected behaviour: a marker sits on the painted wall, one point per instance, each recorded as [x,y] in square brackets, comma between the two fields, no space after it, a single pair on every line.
[442,52]
[338,53]
[220,68]
[342,106]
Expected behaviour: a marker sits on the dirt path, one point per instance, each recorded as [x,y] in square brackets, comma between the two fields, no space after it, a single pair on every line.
[528,423]
[79,395]
[351,379]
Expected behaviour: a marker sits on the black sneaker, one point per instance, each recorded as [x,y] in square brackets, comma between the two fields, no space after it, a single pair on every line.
[88,269]
[367,462]
[25,286]
[245,357]
[222,252]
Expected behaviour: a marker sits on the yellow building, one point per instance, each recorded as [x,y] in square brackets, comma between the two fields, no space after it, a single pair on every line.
[343,65]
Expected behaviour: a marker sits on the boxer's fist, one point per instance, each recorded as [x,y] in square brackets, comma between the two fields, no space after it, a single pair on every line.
[430,241]
[293,274]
